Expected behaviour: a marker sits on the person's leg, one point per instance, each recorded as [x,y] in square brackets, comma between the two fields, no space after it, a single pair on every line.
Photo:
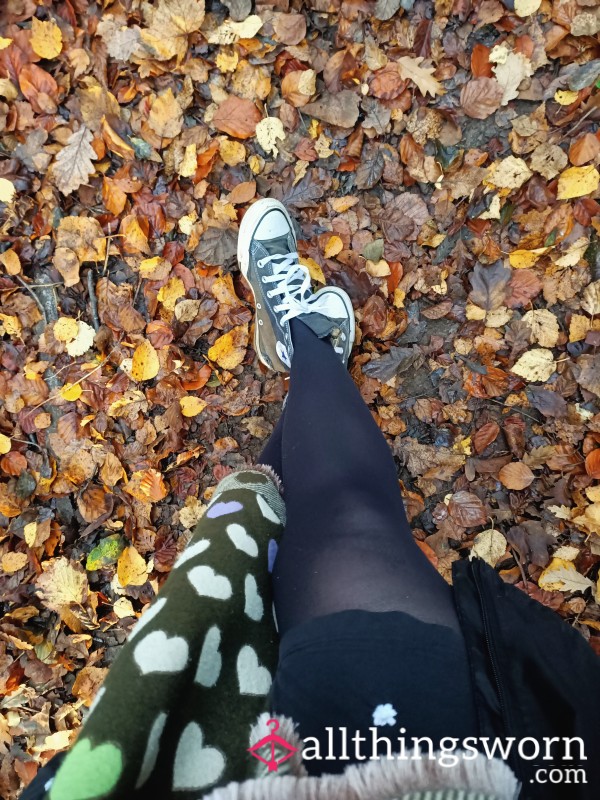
[347,542]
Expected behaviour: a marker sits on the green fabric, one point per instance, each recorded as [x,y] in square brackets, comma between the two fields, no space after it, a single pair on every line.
[174,713]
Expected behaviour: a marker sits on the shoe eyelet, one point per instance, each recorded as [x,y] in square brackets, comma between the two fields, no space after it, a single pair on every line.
[260,322]
[258,305]
[264,280]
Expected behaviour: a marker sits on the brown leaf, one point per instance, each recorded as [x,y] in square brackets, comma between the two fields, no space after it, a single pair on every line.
[485,435]
[39,87]
[516,475]
[238,117]
[338,109]
[289,28]
[481,97]
[584,149]
[480,62]
[467,510]
[489,285]
[592,463]
[73,165]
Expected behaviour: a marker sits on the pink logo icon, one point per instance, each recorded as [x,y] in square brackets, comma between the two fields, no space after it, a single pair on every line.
[272,739]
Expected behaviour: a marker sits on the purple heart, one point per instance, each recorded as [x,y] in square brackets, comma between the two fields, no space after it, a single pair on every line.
[220,509]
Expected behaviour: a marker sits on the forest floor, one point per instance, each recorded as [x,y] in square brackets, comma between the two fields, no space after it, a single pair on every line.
[441,162]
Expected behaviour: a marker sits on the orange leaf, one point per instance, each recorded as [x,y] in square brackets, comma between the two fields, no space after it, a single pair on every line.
[516,475]
[592,463]
[238,117]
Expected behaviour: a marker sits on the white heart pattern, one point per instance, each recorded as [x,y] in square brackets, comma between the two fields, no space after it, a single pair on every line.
[253,678]
[192,551]
[266,510]
[210,662]
[159,653]
[196,766]
[208,583]
[242,540]
[152,748]
[147,616]
[253,606]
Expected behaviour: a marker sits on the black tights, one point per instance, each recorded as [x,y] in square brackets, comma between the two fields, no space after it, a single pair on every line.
[347,542]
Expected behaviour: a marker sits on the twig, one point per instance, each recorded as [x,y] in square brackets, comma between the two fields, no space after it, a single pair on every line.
[34,295]
[93,300]
[47,296]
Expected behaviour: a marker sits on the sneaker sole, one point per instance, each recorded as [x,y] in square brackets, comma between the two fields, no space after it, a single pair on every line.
[247,227]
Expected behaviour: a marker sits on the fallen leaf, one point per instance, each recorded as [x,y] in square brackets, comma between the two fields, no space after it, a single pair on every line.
[333,247]
[577,182]
[490,545]
[83,341]
[5,444]
[73,165]
[411,69]
[229,350]
[535,365]
[481,97]
[268,131]
[170,23]
[516,476]
[561,576]
[7,191]
[544,326]
[145,365]
[46,38]
[336,109]
[467,510]
[13,562]
[191,405]
[166,116]
[238,117]
[131,568]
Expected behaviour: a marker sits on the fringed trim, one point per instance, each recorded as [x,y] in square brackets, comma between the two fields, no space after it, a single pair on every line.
[270,472]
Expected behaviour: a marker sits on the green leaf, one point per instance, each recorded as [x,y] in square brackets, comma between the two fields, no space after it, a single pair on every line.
[106,552]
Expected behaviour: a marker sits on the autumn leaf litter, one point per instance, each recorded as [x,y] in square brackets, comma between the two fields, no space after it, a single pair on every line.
[441,161]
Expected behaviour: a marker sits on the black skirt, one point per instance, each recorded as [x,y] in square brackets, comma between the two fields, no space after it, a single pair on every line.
[384,676]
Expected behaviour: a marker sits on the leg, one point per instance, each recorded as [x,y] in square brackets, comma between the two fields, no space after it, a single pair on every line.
[347,542]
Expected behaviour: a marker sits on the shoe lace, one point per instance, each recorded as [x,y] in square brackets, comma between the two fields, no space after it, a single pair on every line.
[292,281]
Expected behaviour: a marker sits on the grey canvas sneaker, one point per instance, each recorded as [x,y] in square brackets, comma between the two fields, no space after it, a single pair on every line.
[268,258]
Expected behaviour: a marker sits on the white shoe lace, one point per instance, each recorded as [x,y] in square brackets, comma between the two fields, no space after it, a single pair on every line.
[291,280]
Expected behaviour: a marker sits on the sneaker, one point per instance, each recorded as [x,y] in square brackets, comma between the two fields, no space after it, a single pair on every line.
[268,258]
[332,316]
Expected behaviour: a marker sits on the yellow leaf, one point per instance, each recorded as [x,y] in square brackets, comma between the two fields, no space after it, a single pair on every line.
[509,173]
[378,269]
[46,38]
[29,533]
[229,350]
[145,364]
[490,545]
[13,562]
[11,324]
[155,269]
[4,43]
[147,486]
[170,22]
[333,246]
[134,238]
[565,98]
[523,259]
[535,365]
[561,576]
[268,131]
[232,153]
[577,182]
[71,392]
[7,191]
[11,261]
[192,405]
[227,62]
[5,444]
[229,32]
[166,116]
[543,325]
[170,293]
[66,329]
[189,163]
[131,568]
[316,273]
[84,236]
